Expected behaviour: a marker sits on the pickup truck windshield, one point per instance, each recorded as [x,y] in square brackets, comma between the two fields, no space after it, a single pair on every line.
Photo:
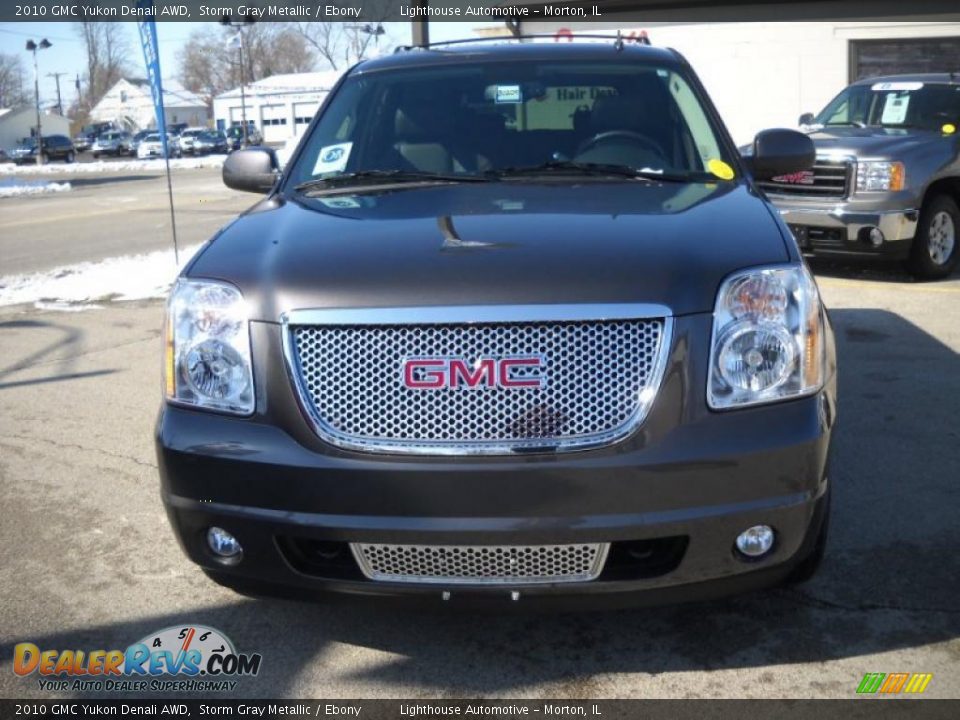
[490,118]
[925,106]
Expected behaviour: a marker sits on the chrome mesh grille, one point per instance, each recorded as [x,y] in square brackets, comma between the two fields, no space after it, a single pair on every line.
[599,380]
[480,564]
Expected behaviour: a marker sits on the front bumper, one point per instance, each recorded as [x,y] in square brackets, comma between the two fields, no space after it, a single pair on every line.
[689,478]
[844,228]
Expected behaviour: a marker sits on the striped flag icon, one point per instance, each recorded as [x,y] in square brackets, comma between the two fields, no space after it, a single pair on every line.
[893,683]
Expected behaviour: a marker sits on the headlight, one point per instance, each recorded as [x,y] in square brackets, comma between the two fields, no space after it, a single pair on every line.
[207,358]
[884,176]
[767,338]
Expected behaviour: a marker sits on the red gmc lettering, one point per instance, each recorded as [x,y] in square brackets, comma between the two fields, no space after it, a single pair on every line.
[483,370]
[505,379]
[433,373]
[431,378]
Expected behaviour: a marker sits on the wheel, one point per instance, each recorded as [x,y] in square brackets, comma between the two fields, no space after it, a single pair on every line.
[96,156]
[934,252]
[46,158]
[808,567]
[70,157]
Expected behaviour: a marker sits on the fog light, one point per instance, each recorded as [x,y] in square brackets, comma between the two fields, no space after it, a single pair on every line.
[223,544]
[756,541]
[876,237]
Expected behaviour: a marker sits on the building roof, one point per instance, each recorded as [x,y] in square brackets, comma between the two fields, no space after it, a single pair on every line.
[174,93]
[288,83]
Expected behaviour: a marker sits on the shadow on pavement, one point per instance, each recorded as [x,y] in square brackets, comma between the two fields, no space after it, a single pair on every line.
[891,579]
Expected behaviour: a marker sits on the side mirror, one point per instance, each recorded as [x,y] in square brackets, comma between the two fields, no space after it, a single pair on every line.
[807,119]
[252,170]
[780,152]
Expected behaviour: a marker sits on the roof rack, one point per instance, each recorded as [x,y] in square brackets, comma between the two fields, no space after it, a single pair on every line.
[618,40]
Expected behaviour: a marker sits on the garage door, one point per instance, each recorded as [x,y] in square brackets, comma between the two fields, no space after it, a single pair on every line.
[303,113]
[870,58]
[274,121]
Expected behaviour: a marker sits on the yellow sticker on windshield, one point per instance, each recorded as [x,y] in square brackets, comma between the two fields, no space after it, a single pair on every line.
[948,129]
[720,169]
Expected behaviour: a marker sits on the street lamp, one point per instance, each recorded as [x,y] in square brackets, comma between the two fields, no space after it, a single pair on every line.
[226,21]
[33,47]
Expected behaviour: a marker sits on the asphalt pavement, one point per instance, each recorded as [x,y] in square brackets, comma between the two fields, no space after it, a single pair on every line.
[87,559]
[111,213]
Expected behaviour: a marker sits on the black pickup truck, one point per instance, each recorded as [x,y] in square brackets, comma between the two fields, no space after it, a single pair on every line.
[513,324]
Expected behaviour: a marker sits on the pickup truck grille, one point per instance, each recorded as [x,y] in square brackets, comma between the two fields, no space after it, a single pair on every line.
[827,179]
[598,381]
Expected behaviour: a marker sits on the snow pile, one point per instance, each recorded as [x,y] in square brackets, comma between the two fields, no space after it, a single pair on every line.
[13,188]
[119,165]
[129,277]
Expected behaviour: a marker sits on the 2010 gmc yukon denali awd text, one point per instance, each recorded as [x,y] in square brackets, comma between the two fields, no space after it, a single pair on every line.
[513,323]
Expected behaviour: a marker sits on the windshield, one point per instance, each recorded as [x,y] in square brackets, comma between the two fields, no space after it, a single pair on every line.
[486,118]
[926,106]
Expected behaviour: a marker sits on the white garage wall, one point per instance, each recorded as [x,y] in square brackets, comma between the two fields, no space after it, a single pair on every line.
[763,75]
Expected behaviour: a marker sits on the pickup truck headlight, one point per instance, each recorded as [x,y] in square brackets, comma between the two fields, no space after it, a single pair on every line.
[207,359]
[767,338]
[874,176]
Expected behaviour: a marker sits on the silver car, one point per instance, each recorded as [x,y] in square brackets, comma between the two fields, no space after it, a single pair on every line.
[112,143]
[152,147]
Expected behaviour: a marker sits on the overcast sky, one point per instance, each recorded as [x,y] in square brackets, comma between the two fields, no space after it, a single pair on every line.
[67,54]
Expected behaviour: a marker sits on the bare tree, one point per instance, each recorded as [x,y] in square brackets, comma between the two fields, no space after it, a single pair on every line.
[209,66]
[13,91]
[342,44]
[107,57]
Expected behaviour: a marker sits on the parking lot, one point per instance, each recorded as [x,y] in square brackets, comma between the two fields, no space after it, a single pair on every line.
[87,559]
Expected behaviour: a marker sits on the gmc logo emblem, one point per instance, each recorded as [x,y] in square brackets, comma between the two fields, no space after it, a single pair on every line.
[804,177]
[437,373]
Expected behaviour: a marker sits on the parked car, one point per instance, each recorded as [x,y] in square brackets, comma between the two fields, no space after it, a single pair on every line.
[152,147]
[188,136]
[54,147]
[887,178]
[138,138]
[85,139]
[177,128]
[235,136]
[476,345]
[113,142]
[5,156]
[212,141]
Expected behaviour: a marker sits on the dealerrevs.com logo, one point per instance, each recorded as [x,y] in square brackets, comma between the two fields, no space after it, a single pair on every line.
[175,659]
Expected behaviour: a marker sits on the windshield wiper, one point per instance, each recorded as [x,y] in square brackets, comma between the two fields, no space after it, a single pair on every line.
[571,167]
[366,177]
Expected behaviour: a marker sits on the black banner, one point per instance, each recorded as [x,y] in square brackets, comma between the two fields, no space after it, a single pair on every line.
[859,709]
[467,10]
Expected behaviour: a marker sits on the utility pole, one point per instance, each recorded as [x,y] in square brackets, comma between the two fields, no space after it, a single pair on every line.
[34,47]
[420,29]
[226,21]
[56,76]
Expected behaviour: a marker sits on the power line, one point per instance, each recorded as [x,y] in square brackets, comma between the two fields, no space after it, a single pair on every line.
[49,37]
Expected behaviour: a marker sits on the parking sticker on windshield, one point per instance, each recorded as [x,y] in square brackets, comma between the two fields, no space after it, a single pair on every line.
[509,94]
[332,158]
[720,169]
[895,109]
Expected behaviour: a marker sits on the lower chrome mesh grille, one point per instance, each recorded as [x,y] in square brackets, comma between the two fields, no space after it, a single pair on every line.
[481,564]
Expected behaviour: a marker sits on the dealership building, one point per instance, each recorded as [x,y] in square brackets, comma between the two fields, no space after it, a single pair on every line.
[766,74]
[129,104]
[280,106]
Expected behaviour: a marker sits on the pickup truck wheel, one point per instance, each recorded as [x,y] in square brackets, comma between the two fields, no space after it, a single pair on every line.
[934,253]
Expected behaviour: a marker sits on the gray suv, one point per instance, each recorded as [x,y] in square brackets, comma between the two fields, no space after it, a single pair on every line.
[887,177]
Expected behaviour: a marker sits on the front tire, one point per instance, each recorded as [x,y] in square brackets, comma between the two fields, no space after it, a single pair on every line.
[70,157]
[934,253]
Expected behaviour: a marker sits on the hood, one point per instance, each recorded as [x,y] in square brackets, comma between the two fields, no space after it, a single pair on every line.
[872,141]
[496,244]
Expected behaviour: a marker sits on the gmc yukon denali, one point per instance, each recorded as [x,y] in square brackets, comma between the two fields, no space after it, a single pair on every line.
[887,178]
[513,324]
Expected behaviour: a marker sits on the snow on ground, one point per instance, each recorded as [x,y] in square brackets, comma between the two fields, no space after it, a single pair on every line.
[76,287]
[125,165]
[12,187]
